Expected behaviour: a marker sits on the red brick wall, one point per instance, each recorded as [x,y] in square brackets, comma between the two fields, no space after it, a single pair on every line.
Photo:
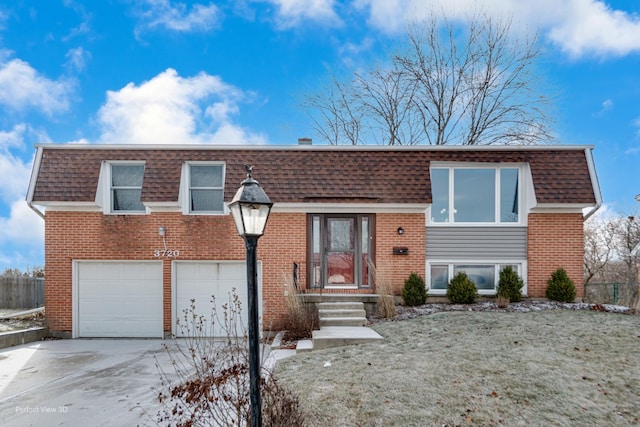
[396,268]
[283,243]
[554,240]
[94,236]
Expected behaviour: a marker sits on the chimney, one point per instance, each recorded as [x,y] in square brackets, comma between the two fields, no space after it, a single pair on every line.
[305,141]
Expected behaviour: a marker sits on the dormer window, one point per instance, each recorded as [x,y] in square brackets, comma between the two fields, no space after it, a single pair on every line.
[206,188]
[126,188]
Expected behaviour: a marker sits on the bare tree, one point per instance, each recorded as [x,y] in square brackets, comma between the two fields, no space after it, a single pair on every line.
[337,117]
[386,97]
[611,249]
[599,248]
[444,89]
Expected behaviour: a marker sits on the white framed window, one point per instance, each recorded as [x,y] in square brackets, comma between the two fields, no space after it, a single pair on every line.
[485,275]
[205,188]
[125,187]
[476,195]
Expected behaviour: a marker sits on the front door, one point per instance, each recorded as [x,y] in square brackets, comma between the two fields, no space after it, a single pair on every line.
[340,251]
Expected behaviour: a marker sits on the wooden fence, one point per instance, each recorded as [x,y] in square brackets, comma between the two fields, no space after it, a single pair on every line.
[21,292]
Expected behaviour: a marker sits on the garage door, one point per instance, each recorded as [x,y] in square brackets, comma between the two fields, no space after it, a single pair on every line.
[200,281]
[118,299]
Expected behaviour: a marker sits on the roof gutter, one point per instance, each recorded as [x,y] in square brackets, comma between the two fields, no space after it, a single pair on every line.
[32,181]
[588,153]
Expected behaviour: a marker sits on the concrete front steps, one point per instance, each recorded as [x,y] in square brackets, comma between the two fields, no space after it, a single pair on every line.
[341,323]
[342,314]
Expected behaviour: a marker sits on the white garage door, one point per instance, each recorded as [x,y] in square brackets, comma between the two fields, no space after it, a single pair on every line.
[200,281]
[118,299]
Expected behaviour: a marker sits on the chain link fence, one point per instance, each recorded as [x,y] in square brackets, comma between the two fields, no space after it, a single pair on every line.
[625,294]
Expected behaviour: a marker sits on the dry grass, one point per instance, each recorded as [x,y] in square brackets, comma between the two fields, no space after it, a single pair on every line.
[302,319]
[552,368]
[386,304]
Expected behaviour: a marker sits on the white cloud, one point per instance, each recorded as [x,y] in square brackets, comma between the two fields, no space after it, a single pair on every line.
[22,231]
[23,225]
[77,59]
[15,171]
[22,237]
[607,105]
[22,88]
[349,51]
[177,16]
[291,13]
[577,27]
[168,109]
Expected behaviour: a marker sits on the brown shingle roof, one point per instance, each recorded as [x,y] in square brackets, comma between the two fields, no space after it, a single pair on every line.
[312,174]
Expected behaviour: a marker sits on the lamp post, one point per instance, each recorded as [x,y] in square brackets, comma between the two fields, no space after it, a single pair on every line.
[250,208]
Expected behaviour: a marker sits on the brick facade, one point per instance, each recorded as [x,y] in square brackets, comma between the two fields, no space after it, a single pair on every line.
[94,236]
[311,179]
[396,268]
[554,240]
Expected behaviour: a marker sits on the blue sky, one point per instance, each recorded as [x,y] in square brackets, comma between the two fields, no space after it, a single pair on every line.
[234,72]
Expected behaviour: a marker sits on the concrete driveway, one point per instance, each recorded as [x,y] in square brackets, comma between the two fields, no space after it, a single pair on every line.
[80,382]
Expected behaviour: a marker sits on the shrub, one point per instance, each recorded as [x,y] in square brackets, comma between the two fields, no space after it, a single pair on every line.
[510,284]
[414,291]
[461,290]
[560,287]
[207,379]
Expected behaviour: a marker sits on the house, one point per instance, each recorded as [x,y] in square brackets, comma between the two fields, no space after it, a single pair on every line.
[134,233]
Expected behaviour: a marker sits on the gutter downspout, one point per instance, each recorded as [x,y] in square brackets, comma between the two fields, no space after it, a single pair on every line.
[588,153]
[32,181]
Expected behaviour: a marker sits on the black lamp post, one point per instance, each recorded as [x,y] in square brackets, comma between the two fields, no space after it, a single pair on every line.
[250,208]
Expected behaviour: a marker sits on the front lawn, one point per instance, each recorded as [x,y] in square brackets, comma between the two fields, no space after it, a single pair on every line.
[553,367]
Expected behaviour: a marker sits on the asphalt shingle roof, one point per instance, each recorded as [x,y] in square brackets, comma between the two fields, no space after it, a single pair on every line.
[289,175]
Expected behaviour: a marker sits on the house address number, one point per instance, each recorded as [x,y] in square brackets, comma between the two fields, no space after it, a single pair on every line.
[169,253]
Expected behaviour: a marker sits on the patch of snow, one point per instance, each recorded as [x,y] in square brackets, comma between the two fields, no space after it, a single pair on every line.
[525,306]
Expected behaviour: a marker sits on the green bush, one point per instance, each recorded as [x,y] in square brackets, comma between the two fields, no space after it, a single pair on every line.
[414,291]
[560,287]
[510,284]
[461,290]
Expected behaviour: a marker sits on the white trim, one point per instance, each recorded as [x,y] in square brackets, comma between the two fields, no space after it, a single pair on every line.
[37,161]
[317,147]
[588,153]
[559,208]
[71,207]
[593,175]
[495,262]
[355,208]
[163,207]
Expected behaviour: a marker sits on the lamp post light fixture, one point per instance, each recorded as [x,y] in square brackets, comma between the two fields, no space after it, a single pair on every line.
[250,208]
